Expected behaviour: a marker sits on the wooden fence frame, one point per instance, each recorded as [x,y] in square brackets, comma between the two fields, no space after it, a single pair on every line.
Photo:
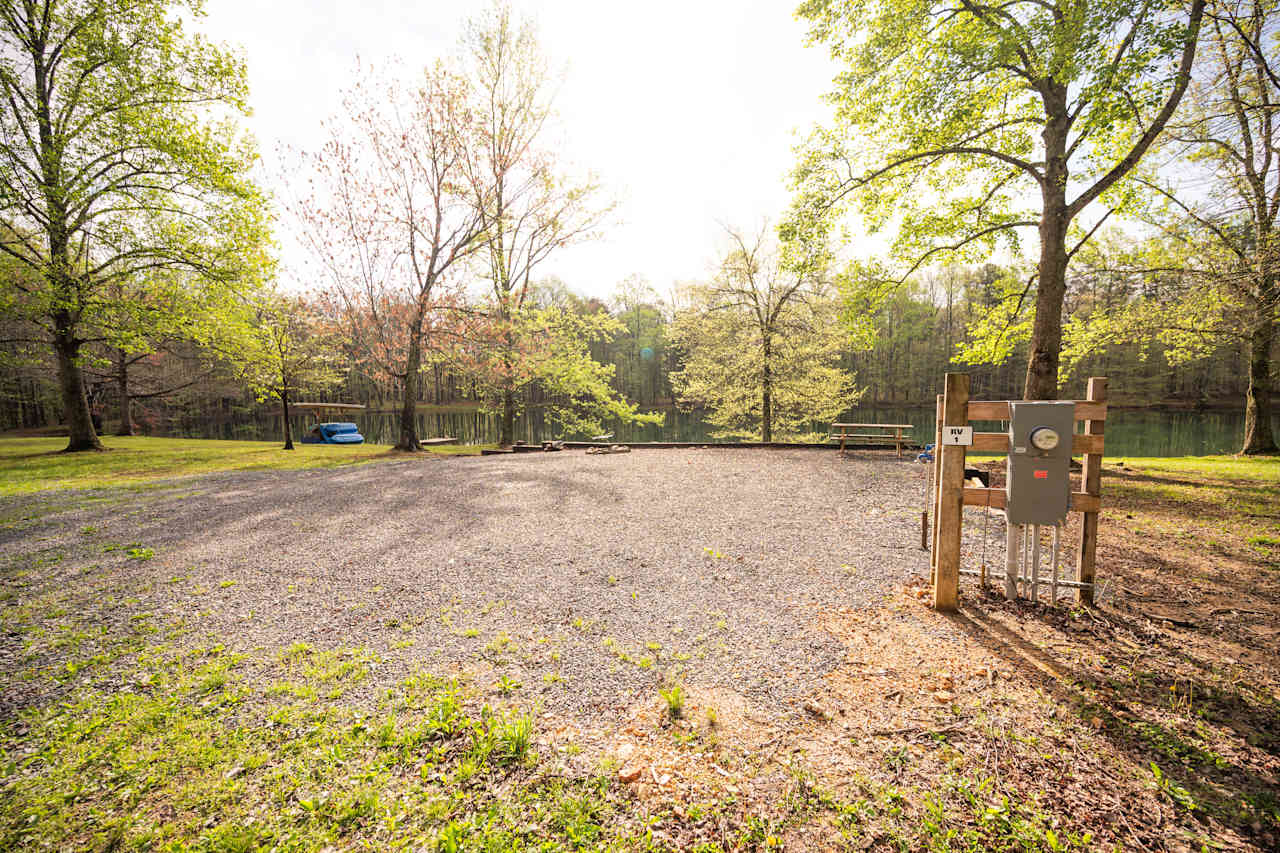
[951,495]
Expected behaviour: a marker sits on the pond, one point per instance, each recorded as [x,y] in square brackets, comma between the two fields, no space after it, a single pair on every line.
[1130,432]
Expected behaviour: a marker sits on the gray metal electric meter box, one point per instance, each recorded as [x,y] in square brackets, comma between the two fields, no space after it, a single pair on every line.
[1039,461]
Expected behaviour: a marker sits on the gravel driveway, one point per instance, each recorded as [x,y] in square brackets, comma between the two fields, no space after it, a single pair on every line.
[587,579]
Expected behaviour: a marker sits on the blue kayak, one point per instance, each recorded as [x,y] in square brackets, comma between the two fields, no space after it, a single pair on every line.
[335,433]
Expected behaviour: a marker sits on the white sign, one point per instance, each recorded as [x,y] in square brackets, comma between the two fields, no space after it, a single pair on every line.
[958,436]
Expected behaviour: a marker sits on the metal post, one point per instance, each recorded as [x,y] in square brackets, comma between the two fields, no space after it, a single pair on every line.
[1035,563]
[1053,587]
[1026,557]
[1013,536]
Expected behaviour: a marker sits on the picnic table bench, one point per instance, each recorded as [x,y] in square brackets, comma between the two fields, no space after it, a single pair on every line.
[882,434]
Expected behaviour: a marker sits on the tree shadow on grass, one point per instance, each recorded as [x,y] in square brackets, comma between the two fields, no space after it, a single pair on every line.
[1198,750]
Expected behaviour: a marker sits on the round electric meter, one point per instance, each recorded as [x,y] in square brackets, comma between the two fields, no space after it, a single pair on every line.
[1044,438]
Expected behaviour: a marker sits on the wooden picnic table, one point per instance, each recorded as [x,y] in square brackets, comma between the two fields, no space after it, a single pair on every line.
[885,434]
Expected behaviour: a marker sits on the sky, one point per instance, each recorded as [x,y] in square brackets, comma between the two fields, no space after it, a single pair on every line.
[688,112]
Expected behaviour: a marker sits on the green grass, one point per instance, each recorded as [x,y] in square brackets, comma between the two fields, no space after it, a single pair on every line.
[35,464]
[1264,469]
[196,757]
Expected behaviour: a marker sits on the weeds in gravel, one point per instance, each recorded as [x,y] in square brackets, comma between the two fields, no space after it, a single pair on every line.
[674,698]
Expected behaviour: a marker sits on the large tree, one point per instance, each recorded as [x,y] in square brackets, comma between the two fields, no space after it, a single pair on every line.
[532,207]
[118,156]
[1225,223]
[761,344]
[969,122]
[393,214]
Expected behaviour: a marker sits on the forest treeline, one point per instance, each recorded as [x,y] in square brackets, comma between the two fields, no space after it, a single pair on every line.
[1099,198]
[917,333]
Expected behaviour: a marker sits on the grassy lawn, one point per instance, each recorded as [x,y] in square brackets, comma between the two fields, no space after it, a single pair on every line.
[36,464]
[1151,722]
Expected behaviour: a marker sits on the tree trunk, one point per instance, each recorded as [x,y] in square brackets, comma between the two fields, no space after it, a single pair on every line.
[409,409]
[508,431]
[126,402]
[288,427]
[1046,334]
[1051,288]
[766,393]
[1258,434]
[75,405]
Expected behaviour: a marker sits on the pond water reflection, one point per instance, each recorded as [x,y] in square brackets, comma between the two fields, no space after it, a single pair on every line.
[1130,432]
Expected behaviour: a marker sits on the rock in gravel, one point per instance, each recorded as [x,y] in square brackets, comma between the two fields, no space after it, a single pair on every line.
[630,773]
[817,710]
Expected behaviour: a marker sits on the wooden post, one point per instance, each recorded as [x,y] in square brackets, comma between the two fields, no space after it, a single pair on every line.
[1086,563]
[955,412]
[937,466]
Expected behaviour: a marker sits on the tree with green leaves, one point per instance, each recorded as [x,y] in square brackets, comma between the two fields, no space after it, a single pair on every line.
[117,158]
[641,347]
[530,206]
[970,123]
[546,351]
[761,343]
[1223,225]
[392,217]
[158,321]
[285,348]
[1205,282]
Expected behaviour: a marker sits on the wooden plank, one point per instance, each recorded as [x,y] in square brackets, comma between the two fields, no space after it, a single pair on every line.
[1091,481]
[1087,443]
[990,442]
[998,410]
[870,426]
[998,442]
[946,587]
[995,498]
[978,496]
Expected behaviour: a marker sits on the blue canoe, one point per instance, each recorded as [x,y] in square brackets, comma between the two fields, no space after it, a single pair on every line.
[335,433]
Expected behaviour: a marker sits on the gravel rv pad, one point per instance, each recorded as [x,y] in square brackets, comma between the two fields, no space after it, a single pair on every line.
[587,579]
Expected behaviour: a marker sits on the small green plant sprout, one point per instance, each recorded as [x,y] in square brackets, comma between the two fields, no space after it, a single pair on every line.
[674,697]
[713,717]
[515,737]
[227,584]
[1171,789]
[507,686]
[88,530]
[713,553]
[613,581]
[140,553]
[471,633]
[499,644]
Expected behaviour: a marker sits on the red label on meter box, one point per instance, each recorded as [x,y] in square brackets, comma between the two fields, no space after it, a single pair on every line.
[1042,475]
